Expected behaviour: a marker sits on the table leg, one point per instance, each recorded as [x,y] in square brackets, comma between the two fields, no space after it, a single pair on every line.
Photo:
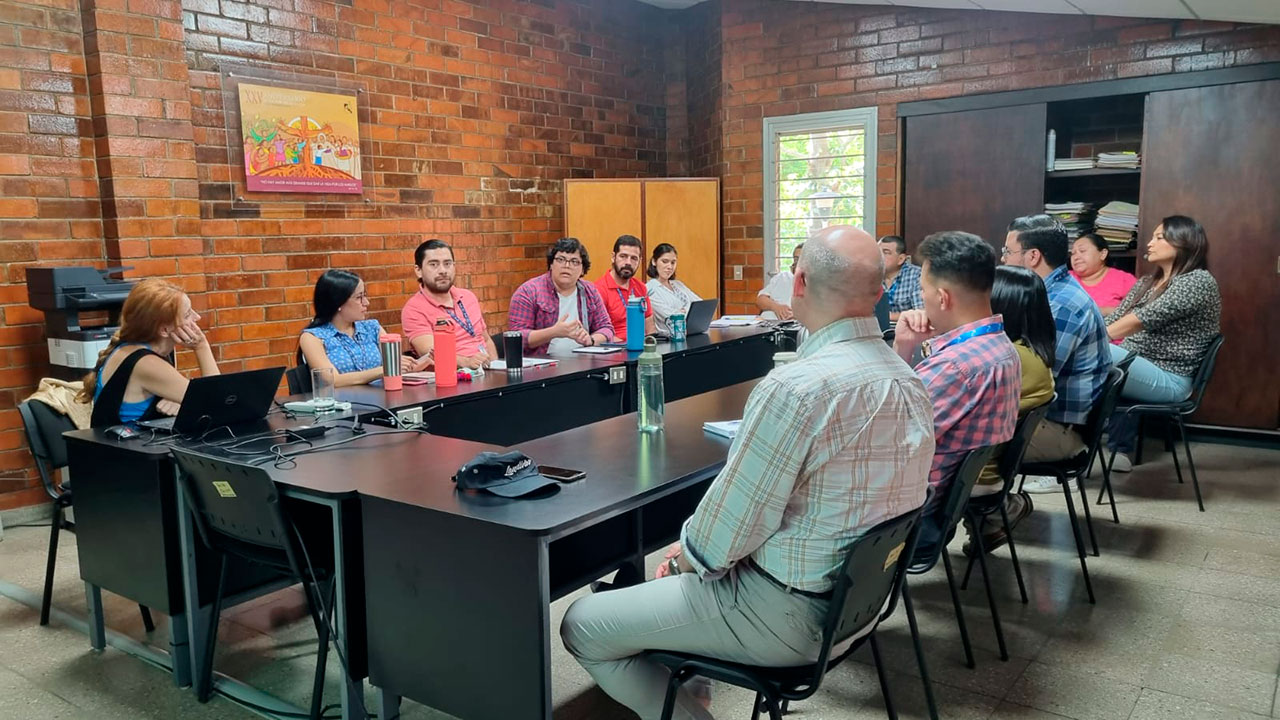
[179,652]
[352,694]
[196,618]
[388,705]
[97,623]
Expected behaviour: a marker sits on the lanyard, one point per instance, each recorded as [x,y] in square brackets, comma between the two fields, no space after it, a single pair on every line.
[988,329]
[624,297]
[464,321]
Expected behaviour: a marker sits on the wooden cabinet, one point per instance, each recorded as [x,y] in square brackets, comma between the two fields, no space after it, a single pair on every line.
[682,211]
[1213,153]
[973,171]
[1208,143]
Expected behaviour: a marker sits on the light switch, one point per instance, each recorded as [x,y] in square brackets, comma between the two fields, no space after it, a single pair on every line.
[737,272]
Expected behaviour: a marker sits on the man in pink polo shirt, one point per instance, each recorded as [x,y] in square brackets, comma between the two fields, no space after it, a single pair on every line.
[619,284]
[438,298]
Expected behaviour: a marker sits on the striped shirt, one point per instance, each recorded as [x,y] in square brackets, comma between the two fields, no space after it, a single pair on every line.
[829,446]
[975,384]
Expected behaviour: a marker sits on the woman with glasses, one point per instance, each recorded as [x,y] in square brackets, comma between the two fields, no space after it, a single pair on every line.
[557,312]
[340,337]
[133,378]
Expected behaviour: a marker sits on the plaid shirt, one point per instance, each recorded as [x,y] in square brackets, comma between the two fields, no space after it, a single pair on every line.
[975,385]
[536,306]
[822,455]
[1081,359]
[905,292]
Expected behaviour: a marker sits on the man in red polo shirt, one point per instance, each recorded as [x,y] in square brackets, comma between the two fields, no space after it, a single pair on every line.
[438,298]
[619,284]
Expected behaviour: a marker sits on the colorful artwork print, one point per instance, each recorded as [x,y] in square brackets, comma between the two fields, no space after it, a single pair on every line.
[299,141]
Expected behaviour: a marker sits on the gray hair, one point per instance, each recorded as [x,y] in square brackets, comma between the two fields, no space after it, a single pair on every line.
[834,276]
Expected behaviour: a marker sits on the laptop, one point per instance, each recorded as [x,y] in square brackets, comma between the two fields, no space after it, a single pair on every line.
[697,320]
[229,399]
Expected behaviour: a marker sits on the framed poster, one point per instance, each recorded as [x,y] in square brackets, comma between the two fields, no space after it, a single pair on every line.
[299,141]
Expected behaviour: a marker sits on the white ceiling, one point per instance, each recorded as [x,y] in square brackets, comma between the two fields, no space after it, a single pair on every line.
[1252,11]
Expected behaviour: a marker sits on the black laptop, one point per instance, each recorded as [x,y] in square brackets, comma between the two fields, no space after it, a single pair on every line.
[229,399]
[698,320]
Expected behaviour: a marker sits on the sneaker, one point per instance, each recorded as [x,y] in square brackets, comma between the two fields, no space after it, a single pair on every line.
[1040,484]
[1121,463]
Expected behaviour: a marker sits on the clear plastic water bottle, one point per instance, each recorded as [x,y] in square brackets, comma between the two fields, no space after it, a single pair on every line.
[649,399]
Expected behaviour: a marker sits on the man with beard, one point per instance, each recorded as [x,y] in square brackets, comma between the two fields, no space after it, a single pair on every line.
[438,298]
[619,285]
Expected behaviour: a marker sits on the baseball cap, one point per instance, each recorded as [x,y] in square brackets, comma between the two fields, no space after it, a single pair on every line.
[512,474]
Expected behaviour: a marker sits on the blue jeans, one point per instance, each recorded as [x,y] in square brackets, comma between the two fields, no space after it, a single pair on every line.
[1146,384]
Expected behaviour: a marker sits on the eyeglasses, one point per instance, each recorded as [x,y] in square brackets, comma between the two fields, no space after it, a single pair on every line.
[1006,252]
[362,297]
[567,261]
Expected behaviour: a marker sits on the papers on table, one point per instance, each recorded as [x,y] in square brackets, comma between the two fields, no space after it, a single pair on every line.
[735,321]
[528,363]
[1119,160]
[418,378]
[598,349]
[723,428]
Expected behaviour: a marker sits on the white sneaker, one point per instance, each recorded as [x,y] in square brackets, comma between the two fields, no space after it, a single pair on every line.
[1040,484]
[1121,463]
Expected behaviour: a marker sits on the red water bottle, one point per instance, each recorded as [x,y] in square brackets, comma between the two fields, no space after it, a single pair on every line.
[445,348]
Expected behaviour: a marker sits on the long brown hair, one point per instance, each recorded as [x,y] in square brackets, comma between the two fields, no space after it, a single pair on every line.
[1187,237]
[152,304]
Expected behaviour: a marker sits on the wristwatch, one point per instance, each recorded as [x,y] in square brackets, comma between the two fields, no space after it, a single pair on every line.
[673,567]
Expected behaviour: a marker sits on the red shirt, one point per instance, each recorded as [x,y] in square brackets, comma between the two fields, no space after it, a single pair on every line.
[421,313]
[615,301]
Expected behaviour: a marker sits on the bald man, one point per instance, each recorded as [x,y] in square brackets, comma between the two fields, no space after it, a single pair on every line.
[807,474]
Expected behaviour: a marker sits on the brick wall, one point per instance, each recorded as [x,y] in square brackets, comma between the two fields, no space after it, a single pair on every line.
[475,112]
[781,58]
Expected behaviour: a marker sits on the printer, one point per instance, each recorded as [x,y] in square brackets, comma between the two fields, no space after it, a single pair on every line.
[65,292]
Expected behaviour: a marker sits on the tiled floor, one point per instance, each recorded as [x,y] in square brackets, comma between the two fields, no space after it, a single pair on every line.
[1187,625]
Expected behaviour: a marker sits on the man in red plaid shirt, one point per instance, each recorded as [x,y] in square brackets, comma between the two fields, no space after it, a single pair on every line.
[970,368]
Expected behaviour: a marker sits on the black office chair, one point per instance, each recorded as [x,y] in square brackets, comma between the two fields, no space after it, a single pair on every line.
[948,515]
[865,594]
[983,505]
[1078,467]
[44,427]
[1175,412]
[237,511]
[299,379]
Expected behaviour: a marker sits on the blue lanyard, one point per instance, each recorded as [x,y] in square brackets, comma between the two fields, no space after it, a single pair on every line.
[643,300]
[988,329]
[465,321]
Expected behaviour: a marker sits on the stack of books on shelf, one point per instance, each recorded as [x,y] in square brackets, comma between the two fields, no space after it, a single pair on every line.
[1072,163]
[1117,223]
[1119,160]
[1076,217]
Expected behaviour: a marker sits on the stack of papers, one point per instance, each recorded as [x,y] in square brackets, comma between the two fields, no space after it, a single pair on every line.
[1076,217]
[1117,223]
[528,363]
[735,321]
[723,428]
[1119,160]
[1072,163]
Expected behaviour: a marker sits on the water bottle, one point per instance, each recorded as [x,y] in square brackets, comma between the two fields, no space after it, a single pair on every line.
[635,323]
[445,349]
[649,387]
[389,344]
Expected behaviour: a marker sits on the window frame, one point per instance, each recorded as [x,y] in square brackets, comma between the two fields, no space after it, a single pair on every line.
[865,117]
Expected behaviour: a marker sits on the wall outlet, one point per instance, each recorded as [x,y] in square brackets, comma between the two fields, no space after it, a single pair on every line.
[737,272]
[410,417]
[617,374]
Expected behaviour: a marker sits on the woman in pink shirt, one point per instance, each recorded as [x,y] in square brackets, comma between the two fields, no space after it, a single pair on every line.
[1106,285]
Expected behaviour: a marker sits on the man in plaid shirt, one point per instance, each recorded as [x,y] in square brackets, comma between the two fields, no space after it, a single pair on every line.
[970,368]
[901,278]
[1081,358]
[583,320]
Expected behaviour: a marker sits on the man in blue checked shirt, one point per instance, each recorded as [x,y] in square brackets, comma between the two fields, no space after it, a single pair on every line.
[901,278]
[822,455]
[1081,360]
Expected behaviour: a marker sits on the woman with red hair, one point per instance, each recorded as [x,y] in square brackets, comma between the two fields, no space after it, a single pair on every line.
[133,379]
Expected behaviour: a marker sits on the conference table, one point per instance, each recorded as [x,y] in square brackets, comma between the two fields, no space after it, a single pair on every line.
[136,539]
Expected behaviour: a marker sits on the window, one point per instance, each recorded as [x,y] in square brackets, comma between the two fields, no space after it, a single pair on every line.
[819,170]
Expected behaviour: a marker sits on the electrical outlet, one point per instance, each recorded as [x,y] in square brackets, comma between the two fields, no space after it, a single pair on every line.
[737,272]
[617,374]
[410,416]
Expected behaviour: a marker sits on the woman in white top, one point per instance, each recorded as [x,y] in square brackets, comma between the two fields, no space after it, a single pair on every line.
[668,295]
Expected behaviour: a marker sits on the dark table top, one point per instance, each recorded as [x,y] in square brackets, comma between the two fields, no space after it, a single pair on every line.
[623,466]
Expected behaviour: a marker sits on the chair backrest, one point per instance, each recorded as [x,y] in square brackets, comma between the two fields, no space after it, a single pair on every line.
[299,379]
[1015,449]
[867,585]
[1102,408]
[1205,372]
[44,427]
[961,487]
[237,509]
